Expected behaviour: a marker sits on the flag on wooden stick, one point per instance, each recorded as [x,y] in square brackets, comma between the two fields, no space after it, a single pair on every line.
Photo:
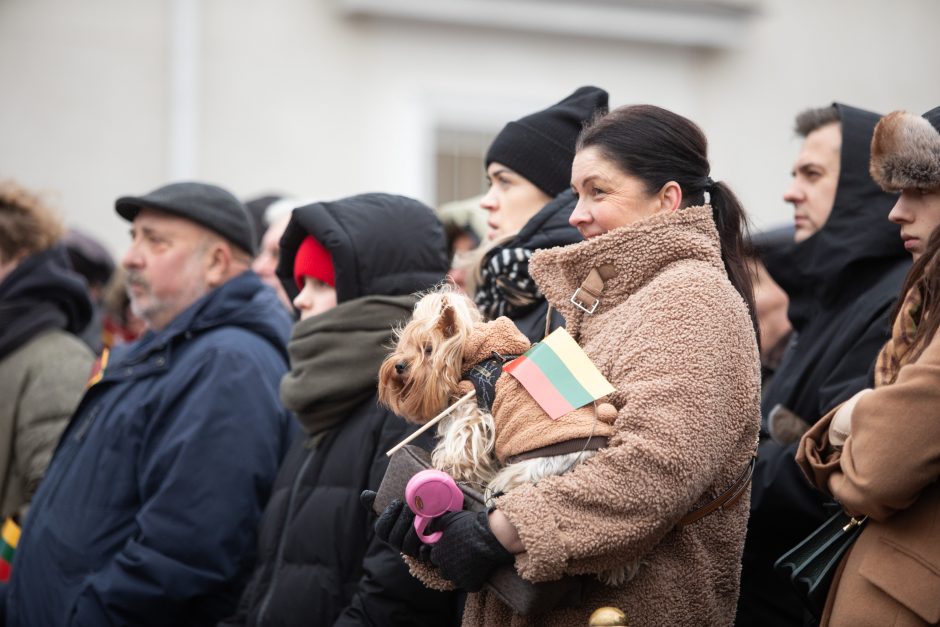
[559,375]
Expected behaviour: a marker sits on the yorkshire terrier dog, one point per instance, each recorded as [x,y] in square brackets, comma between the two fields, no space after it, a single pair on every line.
[503,438]
[425,374]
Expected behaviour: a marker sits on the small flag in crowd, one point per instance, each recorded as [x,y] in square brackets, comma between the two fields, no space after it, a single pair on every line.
[97,369]
[559,375]
[9,538]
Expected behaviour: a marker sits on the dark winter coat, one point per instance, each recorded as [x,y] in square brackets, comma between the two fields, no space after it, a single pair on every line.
[43,368]
[546,229]
[149,510]
[320,562]
[842,283]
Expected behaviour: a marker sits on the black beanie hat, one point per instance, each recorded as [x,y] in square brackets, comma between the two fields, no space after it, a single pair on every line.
[208,205]
[540,146]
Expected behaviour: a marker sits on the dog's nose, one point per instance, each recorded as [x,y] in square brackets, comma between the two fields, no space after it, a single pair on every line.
[400,368]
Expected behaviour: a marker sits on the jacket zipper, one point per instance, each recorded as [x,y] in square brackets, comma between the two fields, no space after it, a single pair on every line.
[280,541]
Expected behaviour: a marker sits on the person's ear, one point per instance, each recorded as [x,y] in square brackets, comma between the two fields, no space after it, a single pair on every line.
[669,197]
[218,263]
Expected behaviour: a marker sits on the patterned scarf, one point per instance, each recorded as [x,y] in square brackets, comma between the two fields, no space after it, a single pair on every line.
[506,289]
[898,351]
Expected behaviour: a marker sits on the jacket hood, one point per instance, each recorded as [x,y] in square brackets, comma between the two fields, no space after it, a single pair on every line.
[242,302]
[380,244]
[41,293]
[549,227]
[856,241]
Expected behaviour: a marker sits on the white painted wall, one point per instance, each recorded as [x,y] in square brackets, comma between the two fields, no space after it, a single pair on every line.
[293,96]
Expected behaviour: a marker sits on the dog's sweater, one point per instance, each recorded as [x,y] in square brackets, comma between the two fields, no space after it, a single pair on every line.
[520,423]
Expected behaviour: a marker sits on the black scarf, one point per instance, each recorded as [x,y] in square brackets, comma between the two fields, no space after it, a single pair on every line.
[41,293]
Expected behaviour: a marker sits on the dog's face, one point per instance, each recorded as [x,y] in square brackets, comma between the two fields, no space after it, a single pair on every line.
[419,378]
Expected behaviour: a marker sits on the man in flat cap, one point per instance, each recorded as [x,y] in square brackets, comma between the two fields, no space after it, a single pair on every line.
[149,509]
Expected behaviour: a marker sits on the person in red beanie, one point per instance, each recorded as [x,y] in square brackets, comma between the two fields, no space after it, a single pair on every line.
[352,267]
[313,274]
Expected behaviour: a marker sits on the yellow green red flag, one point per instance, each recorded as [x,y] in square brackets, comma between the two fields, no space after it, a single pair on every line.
[9,538]
[559,375]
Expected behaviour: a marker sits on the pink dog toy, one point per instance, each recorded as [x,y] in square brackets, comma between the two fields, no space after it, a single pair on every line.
[431,493]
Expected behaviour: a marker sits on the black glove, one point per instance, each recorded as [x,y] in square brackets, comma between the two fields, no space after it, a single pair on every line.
[396,527]
[467,552]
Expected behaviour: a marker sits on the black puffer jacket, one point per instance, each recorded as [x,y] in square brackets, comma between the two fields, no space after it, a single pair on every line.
[842,283]
[546,229]
[319,562]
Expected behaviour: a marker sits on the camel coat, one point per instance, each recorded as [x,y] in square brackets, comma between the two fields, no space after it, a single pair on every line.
[887,469]
[675,339]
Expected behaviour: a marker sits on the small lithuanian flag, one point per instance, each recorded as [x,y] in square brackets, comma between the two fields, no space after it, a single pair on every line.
[559,375]
[10,538]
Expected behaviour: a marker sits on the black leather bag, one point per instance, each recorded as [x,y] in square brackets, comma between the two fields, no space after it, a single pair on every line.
[812,563]
[524,597]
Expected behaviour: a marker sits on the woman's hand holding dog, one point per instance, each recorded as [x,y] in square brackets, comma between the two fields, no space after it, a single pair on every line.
[467,552]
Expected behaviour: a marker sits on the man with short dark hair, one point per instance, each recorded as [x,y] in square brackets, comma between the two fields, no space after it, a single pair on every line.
[842,275]
[149,509]
[816,170]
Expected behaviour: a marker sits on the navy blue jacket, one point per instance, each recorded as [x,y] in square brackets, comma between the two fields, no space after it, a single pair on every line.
[149,510]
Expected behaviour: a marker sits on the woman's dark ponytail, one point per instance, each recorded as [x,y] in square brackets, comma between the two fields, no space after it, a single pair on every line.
[731,222]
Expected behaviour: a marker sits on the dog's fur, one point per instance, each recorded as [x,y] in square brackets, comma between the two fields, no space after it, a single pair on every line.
[422,377]
[905,152]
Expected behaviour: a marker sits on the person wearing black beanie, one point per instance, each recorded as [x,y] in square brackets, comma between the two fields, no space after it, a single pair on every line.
[528,167]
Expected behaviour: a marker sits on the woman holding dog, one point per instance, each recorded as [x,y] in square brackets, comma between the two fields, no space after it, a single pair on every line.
[877,454]
[658,295]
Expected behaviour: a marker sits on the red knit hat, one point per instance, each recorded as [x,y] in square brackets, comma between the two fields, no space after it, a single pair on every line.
[313,260]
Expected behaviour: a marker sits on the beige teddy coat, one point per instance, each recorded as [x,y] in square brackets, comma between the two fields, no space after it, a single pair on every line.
[676,341]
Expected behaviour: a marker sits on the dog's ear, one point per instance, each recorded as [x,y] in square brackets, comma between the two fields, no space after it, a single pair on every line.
[448,322]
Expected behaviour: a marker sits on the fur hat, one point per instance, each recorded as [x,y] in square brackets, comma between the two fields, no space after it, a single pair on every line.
[905,151]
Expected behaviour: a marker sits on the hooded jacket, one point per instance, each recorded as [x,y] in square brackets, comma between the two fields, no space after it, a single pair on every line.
[546,229]
[43,368]
[842,283]
[320,562]
[149,509]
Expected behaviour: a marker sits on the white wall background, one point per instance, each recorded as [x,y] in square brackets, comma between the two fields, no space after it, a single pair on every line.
[102,98]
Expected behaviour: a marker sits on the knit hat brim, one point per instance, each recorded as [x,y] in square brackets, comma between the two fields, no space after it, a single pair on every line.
[905,152]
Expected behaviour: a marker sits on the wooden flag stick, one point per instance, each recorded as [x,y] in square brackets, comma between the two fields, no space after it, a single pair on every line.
[433,421]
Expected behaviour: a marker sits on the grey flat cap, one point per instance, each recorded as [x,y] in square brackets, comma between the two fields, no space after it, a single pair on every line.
[207,205]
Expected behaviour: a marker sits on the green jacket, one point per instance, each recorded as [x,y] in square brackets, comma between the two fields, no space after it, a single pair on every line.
[41,383]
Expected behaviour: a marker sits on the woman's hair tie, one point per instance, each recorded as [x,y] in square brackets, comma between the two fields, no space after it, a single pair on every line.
[709,184]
